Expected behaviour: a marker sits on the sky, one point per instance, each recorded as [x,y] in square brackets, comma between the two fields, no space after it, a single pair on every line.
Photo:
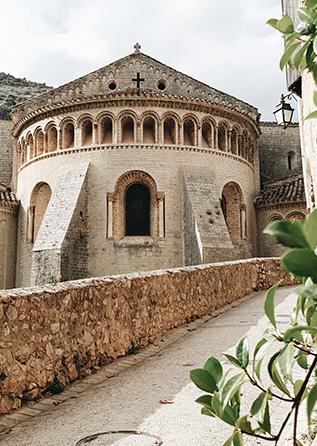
[224,43]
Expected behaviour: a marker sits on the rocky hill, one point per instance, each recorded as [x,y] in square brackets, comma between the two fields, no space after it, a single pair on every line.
[14,90]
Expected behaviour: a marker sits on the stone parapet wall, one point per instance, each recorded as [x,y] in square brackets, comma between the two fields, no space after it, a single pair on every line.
[51,335]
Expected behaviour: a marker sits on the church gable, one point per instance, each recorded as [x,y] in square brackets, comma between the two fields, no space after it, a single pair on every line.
[134,71]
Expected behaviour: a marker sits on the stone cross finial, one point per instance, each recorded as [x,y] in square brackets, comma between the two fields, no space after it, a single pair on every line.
[137,47]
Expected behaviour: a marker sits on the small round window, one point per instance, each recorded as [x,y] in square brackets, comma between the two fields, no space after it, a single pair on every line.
[161,85]
[112,86]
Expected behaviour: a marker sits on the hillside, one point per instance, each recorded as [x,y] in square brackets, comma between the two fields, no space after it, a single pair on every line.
[14,90]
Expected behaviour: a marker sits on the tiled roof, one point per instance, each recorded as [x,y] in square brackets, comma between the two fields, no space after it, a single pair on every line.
[290,190]
[7,197]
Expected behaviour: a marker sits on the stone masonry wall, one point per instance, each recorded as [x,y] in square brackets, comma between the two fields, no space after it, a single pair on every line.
[275,144]
[6,152]
[51,335]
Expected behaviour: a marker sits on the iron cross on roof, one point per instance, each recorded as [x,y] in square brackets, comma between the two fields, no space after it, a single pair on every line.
[138,79]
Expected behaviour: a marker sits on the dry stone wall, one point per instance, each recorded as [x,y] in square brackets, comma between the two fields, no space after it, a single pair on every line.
[51,335]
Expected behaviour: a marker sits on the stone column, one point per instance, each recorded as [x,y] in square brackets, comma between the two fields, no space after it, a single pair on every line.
[161,203]
[216,138]
[199,139]
[229,141]
[110,197]
[95,139]
[59,139]
[243,222]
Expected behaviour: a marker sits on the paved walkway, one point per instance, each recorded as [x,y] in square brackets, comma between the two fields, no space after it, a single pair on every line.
[134,393]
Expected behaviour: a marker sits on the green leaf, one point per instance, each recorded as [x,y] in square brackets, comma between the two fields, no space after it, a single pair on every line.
[242,352]
[233,360]
[258,406]
[312,115]
[258,356]
[302,360]
[288,233]
[311,401]
[207,411]
[285,25]
[301,262]
[286,362]
[229,441]
[244,425]
[266,425]
[273,23]
[310,225]
[231,387]
[287,54]
[290,334]
[203,380]
[269,305]
[299,56]
[311,3]
[275,375]
[214,368]
[204,400]
[237,439]
[306,15]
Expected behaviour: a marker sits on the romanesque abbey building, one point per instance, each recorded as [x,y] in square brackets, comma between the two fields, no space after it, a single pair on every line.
[137,166]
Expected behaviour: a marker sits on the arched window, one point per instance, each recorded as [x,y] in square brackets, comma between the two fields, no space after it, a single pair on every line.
[30,146]
[169,131]
[222,137]
[127,130]
[52,139]
[207,135]
[149,130]
[106,130]
[234,141]
[290,160]
[39,142]
[68,136]
[189,130]
[137,210]
[234,212]
[40,198]
[86,132]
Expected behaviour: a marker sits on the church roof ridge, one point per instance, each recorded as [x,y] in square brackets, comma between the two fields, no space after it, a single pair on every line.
[134,55]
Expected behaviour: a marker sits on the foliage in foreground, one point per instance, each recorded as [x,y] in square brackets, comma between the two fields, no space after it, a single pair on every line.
[294,347]
[300,42]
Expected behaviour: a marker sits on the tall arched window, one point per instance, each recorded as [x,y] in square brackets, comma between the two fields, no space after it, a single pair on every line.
[234,141]
[86,132]
[169,131]
[189,130]
[68,137]
[207,135]
[39,142]
[222,137]
[40,198]
[52,139]
[106,130]
[234,212]
[149,130]
[290,160]
[127,130]
[137,210]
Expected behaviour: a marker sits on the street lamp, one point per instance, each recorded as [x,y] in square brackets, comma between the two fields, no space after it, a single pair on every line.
[284,112]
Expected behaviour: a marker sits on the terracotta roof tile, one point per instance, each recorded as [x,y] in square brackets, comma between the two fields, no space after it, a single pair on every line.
[289,190]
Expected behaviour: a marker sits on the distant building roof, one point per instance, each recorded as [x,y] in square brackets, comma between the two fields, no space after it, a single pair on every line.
[288,190]
[7,197]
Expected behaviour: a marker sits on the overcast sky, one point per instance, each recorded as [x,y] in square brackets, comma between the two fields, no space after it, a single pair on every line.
[224,43]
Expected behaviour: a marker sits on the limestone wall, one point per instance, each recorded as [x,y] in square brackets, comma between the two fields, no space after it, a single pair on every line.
[6,151]
[50,335]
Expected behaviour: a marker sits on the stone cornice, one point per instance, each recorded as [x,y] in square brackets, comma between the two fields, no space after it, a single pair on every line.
[134,98]
[112,147]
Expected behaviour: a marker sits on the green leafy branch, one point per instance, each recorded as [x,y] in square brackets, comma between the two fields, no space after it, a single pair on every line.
[300,42]
[273,375]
